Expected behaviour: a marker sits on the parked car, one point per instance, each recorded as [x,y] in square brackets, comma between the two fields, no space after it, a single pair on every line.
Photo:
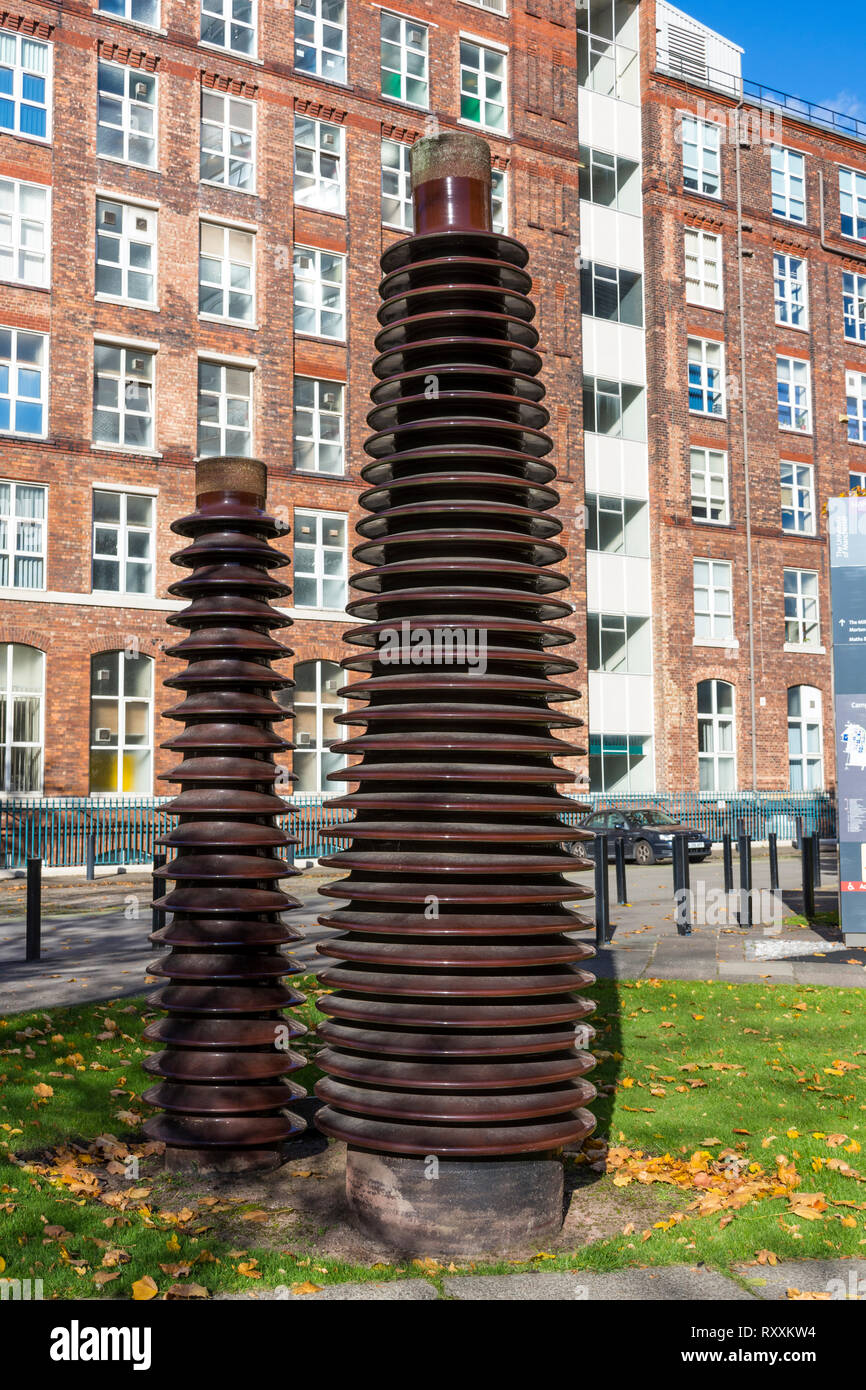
[648,834]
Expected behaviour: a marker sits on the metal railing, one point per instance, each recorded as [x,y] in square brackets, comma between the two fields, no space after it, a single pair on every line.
[57,829]
[732,84]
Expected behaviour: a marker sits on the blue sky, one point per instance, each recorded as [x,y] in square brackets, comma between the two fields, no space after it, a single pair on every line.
[817,52]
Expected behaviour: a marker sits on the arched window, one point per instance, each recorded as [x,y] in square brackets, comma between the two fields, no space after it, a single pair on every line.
[316,704]
[716,743]
[805,758]
[121,724]
[22,685]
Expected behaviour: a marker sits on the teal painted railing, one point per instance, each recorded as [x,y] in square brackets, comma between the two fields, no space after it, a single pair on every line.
[56,829]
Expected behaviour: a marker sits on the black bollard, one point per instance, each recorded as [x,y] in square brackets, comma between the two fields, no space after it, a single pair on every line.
[157,914]
[619,857]
[807,851]
[816,858]
[682,894]
[602,892]
[90,858]
[798,833]
[34,910]
[772,840]
[744,848]
[728,863]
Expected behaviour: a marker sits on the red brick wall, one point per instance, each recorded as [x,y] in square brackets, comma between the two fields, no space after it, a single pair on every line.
[541,158]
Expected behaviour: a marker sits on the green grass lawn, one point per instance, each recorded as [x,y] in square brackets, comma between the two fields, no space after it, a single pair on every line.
[771,1075]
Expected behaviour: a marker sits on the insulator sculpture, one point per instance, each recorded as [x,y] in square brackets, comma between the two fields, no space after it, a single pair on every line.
[222,1086]
[452,1041]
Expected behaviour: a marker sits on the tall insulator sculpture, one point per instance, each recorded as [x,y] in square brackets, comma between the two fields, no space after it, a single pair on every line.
[453,1061]
[222,1078]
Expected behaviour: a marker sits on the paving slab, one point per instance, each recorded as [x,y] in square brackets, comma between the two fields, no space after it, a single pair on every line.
[842,1279]
[393,1291]
[675,1282]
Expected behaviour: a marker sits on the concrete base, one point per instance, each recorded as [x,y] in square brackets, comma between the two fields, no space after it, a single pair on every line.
[222,1161]
[424,1206]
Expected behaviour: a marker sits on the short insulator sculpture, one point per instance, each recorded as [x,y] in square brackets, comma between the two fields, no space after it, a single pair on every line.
[453,1050]
[222,1083]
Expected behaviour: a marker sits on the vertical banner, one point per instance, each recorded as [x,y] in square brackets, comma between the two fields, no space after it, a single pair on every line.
[847,527]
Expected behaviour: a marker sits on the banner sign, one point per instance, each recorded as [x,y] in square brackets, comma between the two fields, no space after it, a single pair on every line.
[847,527]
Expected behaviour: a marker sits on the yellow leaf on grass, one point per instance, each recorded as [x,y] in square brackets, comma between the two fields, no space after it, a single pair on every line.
[173,1244]
[43,1091]
[248,1269]
[697,1017]
[144,1288]
[767,1257]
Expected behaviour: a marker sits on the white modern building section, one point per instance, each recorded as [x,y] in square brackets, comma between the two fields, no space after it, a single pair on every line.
[688,47]
[619,585]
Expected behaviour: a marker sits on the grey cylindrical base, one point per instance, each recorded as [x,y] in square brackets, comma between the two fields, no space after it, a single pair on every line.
[222,1161]
[421,1206]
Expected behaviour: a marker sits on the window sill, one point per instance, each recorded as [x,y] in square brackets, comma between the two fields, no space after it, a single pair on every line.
[404,104]
[706,415]
[800,434]
[129,163]
[799,535]
[319,77]
[324,615]
[228,188]
[44,141]
[135,25]
[229,323]
[791,221]
[794,327]
[18,434]
[127,303]
[805,649]
[486,129]
[24,285]
[719,643]
[324,212]
[231,53]
[711,308]
[126,453]
[709,521]
[319,338]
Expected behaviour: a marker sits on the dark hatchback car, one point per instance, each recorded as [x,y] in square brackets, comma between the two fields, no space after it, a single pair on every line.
[648,835]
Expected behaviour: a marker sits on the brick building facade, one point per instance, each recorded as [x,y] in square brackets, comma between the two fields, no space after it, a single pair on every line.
[272,139]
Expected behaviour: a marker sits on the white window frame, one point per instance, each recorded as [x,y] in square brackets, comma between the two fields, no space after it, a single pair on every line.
[228,21]
[489,6]
[856,480]
[803,723]
[800,389]
[798,603]
[317,301]
[626,413]
[708,392]
[324,194]
[854,306]
[319,550]
[127,377]
[318,45]
[223,396]
[717,722]
[10,521]
[128,17]
[713,600]
[315,415]
[122,700]
[499,212]
[319,747]
[123,528]
[403,197]
[17,223]
[17,44]
[597,164]
[703,173]
[14,396]
[226,262]
[126,235]
[404,23]
[10,743]
[483,47]
[702,287]
[225,126]
[797,482]
[791,286]
[710,488]
[852,193]
[128,103]
[788,184]
[855,405]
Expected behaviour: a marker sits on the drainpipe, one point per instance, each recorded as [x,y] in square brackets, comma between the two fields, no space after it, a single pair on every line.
[746,474]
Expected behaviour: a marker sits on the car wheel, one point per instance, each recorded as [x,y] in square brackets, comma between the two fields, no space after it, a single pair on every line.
[643,853]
